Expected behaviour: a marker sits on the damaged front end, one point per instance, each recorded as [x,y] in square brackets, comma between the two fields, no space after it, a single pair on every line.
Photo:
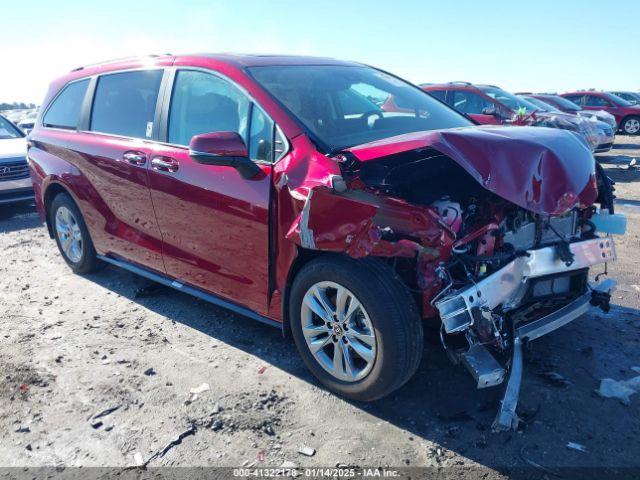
[494,229]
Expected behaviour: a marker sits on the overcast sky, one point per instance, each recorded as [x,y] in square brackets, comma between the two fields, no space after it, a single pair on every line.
[550,46]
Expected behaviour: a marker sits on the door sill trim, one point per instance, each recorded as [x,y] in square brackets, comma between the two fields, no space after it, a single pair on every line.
[182,287]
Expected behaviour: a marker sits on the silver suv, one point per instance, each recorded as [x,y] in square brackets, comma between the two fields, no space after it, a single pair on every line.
[15,181]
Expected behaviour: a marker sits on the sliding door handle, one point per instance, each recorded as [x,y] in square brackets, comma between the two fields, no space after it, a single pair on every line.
[164,164]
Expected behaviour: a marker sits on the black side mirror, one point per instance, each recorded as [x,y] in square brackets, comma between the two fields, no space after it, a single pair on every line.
[223,149]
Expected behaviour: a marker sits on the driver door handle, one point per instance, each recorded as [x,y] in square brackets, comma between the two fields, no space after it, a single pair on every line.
[135,158]
[165,164]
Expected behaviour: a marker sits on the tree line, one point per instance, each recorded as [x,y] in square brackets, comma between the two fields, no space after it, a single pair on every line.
[16,106]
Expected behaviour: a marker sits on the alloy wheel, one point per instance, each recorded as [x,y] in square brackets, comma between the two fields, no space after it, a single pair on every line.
[632,126]
[69,234]
[338,331]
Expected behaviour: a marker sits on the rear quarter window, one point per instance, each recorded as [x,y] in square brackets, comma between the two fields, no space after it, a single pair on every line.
[125,103]
[64,111]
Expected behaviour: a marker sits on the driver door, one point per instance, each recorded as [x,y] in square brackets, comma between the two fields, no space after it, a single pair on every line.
[214,222]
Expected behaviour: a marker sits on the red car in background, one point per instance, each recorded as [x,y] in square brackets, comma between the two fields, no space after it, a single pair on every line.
[568,106]
[627,115]
[491,105]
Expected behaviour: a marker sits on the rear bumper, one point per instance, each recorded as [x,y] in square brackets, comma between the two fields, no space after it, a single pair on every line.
[12,191]
[507,286]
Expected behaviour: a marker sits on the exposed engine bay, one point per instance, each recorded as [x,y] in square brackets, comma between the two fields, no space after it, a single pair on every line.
[497,245]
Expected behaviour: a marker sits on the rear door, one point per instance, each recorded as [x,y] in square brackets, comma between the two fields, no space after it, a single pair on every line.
[214,223]
[114,147]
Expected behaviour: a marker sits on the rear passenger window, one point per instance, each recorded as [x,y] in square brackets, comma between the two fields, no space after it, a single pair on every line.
[204,103]
[125,103]
[64,112]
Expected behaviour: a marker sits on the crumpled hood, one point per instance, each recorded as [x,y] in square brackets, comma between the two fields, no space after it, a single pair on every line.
[544,170]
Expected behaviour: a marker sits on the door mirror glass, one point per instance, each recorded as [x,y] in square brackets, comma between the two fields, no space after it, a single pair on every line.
[490,111]
[223,149]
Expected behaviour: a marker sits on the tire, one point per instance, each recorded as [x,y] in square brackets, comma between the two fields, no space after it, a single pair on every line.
[388,312]
[65,216]
[631,125]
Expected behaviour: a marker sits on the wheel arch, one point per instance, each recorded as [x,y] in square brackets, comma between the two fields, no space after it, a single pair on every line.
[304,256]
[51,192]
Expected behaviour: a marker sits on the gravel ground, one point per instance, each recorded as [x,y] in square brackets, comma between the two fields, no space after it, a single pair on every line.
[74,347]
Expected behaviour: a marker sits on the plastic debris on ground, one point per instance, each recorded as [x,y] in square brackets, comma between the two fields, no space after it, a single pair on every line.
[622,390]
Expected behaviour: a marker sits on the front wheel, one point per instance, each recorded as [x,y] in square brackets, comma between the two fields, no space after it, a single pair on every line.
[356,326]
[631,125]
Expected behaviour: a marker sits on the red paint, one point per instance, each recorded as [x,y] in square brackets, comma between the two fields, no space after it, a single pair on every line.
[238,238]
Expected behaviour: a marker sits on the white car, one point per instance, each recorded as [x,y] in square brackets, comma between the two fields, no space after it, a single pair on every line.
[15,180]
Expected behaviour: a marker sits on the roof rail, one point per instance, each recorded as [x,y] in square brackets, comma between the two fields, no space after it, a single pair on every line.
[524,93]
[121,59]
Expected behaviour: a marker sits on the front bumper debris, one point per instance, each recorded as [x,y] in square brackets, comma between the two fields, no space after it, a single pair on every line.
[506,286]
[504,291]
[507,419]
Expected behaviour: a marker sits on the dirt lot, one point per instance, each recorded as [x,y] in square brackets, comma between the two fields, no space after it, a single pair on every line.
[75,346]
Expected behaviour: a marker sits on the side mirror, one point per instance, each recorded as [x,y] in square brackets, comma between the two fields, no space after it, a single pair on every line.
[223,149]
[490,111]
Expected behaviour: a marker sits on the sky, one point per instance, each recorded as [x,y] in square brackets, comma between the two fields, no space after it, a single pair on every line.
[541,45]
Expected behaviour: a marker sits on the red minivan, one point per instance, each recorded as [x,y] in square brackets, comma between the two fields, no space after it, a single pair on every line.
[279,188]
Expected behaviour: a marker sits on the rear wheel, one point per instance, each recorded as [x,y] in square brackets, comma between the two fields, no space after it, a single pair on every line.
[72,236]
[631,125]
[356,326]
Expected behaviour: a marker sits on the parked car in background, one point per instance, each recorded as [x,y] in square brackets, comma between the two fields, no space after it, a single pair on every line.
[631,97]
[605,133]
[568,106]
[15,182]
[627,115]
[27,122]
[266,185]
[489,104]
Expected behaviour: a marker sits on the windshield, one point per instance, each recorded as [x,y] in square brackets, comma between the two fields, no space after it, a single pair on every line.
[509,100]
[564,103]
[342,106]
[7,130]
[542,106]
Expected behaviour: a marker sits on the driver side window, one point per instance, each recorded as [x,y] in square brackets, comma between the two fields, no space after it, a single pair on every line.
[205,103]
[469,102]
